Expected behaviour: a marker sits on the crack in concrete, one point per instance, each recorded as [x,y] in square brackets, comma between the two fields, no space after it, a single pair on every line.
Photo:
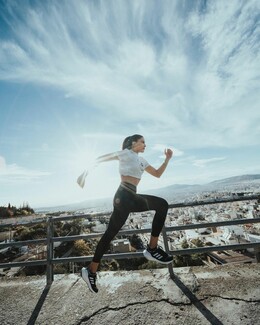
[231,298]
[75,282]
[107,308]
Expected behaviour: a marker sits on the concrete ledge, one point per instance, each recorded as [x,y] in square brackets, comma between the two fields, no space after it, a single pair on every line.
[227,294]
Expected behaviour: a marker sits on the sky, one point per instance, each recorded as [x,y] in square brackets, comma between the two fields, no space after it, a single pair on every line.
[77,77]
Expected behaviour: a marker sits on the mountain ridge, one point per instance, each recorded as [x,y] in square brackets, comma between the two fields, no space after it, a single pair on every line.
[214,185]
[223,181]
[242,178]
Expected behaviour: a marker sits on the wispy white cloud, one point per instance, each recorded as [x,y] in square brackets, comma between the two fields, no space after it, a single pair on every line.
[141,62]
[12,173]
[227,82]
[204,162]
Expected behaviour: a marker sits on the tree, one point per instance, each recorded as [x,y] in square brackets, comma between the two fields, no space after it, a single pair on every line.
[197,242]
[81,248]
[185,244]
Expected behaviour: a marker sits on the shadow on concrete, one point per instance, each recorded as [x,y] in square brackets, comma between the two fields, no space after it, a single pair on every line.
[39,305]
[195,301]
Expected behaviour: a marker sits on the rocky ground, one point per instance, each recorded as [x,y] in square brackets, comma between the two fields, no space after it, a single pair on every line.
[227,294]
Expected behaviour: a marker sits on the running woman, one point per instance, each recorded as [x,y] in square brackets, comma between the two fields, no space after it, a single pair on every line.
[126,200]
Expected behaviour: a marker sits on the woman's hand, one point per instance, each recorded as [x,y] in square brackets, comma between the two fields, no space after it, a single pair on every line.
[168,153]
[158,172]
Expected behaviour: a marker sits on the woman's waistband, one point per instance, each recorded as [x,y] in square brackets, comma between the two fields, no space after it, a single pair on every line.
[128,186]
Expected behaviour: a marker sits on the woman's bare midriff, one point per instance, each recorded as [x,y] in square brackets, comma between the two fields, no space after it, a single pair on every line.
[129,179]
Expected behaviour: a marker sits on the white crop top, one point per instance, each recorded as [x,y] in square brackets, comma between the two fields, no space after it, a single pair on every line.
[130,164]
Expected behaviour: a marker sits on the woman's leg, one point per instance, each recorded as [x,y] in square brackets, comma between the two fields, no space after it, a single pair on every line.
[93,267]
[149,202]
[153,252]
[153,242]
[123,204]
[117,220]
[160,206]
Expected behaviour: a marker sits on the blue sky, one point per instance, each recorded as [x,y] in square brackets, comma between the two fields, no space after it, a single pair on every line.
[77,77]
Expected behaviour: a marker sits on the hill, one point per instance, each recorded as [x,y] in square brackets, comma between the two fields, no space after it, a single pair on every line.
[183,191]
[237,179]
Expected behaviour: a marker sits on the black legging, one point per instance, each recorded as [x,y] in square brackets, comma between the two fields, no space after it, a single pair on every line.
[125,201]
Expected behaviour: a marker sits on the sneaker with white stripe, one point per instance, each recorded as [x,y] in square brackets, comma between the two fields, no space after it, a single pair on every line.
[157,255]
[90,279]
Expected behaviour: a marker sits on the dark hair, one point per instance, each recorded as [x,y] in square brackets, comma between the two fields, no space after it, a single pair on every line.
[127,143]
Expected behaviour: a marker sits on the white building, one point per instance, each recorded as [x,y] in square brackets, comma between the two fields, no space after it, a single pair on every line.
[252,238]
[120,246]
[231,234]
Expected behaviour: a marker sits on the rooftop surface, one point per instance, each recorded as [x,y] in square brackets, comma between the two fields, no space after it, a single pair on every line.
[228,294]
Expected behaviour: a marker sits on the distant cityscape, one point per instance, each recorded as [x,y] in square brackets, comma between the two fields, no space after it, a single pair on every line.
[173,194]
[239,186]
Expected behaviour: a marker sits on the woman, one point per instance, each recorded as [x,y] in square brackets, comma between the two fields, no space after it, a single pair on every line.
[126,200]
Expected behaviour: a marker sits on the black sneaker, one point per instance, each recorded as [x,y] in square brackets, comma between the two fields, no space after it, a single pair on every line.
[157,255]
[90,279]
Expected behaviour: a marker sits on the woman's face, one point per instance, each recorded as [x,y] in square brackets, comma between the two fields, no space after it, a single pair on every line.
[139,145]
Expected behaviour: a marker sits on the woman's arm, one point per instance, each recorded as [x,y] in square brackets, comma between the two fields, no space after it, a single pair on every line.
[158,172]
[108,157]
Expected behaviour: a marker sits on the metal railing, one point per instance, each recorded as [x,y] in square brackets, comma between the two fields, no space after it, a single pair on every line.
[50,260]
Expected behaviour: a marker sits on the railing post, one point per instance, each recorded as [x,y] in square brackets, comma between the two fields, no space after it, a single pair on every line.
[49,270]
[170,267]
[257,254]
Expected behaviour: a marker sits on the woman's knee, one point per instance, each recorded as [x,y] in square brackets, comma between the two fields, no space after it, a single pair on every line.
[163,205]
